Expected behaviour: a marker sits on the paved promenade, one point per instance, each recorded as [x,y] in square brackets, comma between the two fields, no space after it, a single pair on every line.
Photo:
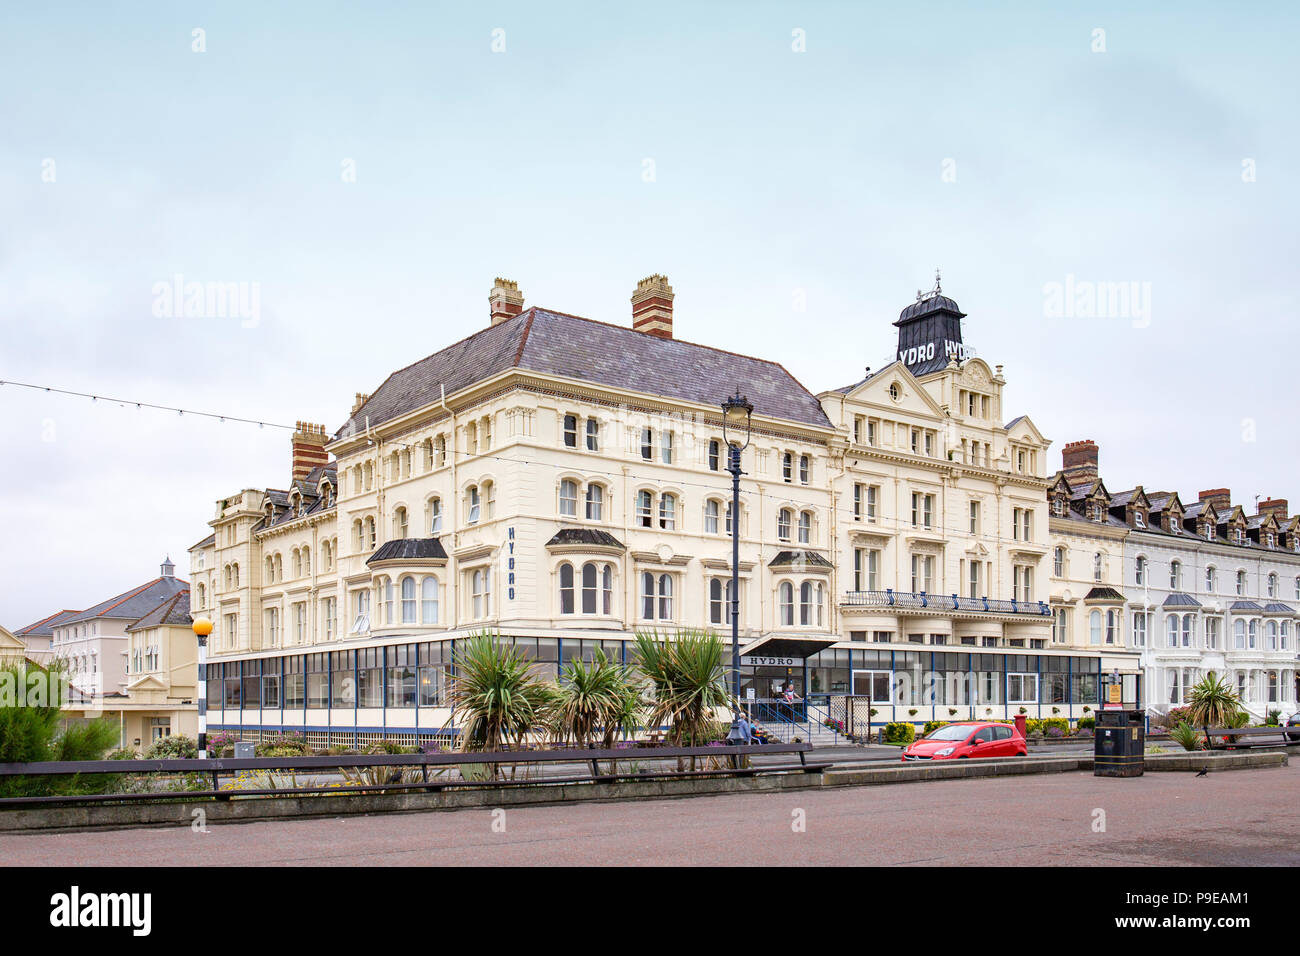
[1230,818]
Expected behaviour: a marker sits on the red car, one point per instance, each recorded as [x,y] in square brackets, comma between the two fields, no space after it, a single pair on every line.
[971,738]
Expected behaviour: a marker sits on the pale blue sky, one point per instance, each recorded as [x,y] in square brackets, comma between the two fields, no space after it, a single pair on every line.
[777,174]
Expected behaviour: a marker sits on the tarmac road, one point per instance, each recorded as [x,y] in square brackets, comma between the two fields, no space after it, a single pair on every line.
[1161,819]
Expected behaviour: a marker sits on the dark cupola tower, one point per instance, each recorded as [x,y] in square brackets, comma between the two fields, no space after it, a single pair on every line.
[929,332]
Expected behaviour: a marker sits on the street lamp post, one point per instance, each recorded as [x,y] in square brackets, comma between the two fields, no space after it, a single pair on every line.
[202,628]
[736,412]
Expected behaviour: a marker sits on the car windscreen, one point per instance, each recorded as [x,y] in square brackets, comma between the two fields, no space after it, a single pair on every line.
[950,732]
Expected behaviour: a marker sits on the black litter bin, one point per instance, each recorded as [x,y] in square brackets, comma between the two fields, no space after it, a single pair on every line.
[1119,742]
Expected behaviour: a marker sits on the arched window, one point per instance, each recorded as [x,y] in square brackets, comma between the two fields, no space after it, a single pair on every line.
[202,596]
[656,596]
[1094,627]
[607,589]
[1272,585]
[1096,566]
[1270,636]
[1252,631]
[1112,617]
[787,466]
[473,505]
[805,469]
[433,516]
[783,524]
[805,527]
[1188,624]
[668,512]
[234,569]
[1058,562]
[595,502]
[370,533]
[399,522]
[1171,623]
[806,603]
[568,498]
[358,536]
[787,603]
[1241,582]
[429,601]
[727,521]
[645,506]
[408,600]
[1175,575]
[306,560]
[590,587]
[295,562]
[1209,579]
[440,451]
[566,588]
[715,456]
[386,600]
[717,612]
[593,435]
[1140,570]
[1239,634]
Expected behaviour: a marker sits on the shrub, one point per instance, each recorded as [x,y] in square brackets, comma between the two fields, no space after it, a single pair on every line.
[1087,723]
[1033,726]
[1186,736]
[900,732]
[1055,732]
[121,753]
[29,733]
[1047,724]
[932,725]
[282,745]
[176,747]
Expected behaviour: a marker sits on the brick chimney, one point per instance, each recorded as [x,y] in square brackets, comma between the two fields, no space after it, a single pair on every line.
[1220,498]
[308,449]
[1079,461]
[652,307]
[505,301]
[1275,507]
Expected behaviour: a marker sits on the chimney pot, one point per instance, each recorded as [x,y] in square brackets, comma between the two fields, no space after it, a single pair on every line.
[1277,507]
[505,301]
[652,307]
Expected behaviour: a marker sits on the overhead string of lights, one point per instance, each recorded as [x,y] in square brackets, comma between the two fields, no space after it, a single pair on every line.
[127,402]
[896,523]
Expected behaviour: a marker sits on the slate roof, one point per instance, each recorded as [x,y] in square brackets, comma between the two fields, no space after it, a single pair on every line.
[580,536]
[803,558]
[1179,599]
[174,610]
[409,549]
[935,303]
[206,542]
[309,488]
[1244,606]
[1103,594]
[134,604]
[45,626]
[1276,608]
[568,346]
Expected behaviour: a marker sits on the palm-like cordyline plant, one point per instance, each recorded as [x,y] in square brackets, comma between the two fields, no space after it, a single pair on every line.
[688,681]
[1213,702]
[597,698]
[495,696]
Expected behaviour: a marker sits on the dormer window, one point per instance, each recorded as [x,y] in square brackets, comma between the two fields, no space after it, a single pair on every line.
[1139,519]
[1271,539]
[1239,535]
[1058,506]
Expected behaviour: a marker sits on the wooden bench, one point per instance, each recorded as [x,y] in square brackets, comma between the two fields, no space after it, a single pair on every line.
[1246,737]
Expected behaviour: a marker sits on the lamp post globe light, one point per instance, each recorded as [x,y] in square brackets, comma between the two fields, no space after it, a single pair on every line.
[202,628]
[736,412]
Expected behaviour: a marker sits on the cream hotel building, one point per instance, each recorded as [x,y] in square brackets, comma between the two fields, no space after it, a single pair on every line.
[562,482]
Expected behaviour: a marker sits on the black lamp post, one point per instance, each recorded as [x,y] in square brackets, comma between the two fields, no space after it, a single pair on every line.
[735,432]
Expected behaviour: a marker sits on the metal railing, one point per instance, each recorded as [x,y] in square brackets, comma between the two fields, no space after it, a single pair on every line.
[576,765]
[939,603]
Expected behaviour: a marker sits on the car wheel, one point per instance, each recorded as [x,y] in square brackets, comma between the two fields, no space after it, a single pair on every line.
[1023,753]
[964,757]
